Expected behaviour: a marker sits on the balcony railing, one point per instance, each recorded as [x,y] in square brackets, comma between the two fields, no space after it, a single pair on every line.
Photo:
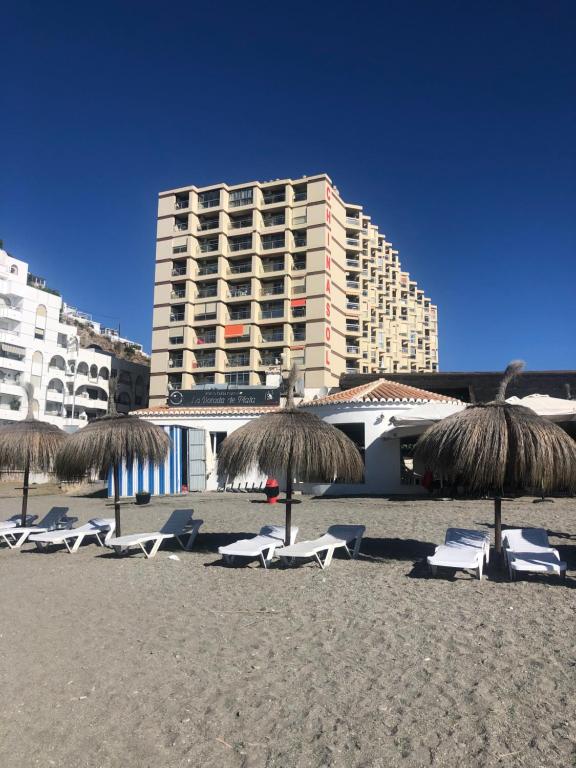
[241,223]
[176,362]
[274,197]
[238,269]
[353,350]
[208,247]
[267,314]
[182,204]
[273,266]
[300,196]
[270,360]
[353,285]
[210,293]
[268,338]
[207,270]
[300,336]
[353,241]
[206,225]
[208,202]
[238,362]
[354,264]
[205,362]
[298,311]
[177,271]
[206,338]
[268,245]
[243,314]
[272,290]
[177,318]
[274,221]
[298,265]
[238,339]
[181,226]
[354,220]
[178,294]
[237,202]
[240,291]
[299,242]
[353,305]
[352,328]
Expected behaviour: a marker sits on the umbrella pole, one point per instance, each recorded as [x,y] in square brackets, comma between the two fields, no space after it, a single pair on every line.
[116,473]
[288,521]
[498,525]
[25,492]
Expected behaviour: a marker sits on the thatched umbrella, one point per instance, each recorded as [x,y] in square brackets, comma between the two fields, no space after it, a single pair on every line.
[106,443]
[294,441]
[497,447]
[29,445]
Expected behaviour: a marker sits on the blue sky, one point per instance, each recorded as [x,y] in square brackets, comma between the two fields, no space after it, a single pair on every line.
[453,123]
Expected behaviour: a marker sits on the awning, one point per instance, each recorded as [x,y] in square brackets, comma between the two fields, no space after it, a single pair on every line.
[552,408]
[297,302]
[12,349]
[231,331]
[414,421]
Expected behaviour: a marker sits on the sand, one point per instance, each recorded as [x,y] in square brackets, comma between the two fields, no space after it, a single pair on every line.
[108,661]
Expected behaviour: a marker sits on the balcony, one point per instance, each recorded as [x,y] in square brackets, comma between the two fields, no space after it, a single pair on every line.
[180,226]
[208,200]
[354,264]
[272,337]
[239,314]
[179,294]
[272,290]
[273,266]
[238,361]
[208,246]
[298,311]
[241,222]
[272,312]
[177,317]
[209,292]
[243,244]
[353,241]
[274,219]
[239,291]
[270,243]
[204,314]
[206,362]
[351,349]
[176,362]
[205,337]
[300,195]
[245,339]
[353,306]
[207,269]
[299,336]
[240,268]
[178,271]
[353,221]
[11,313]
[182,202]
[273,197]
[180,249]
[208,224]
[240,198]
[298,264]
[352,328]
[300,241]
[354,285]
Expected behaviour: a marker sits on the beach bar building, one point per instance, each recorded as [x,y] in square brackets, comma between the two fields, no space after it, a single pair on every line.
[364,413]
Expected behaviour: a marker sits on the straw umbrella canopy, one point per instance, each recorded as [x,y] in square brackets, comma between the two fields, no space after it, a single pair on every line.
[108,442]
[498,447]
[294,441]
[29,445]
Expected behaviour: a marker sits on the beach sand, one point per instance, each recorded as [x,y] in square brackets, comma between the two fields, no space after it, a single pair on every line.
[108,661]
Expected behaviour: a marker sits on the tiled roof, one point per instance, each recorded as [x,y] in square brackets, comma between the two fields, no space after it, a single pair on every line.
[381,391]
[214,410]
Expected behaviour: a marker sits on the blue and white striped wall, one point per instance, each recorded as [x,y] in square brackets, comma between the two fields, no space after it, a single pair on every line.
[157,480]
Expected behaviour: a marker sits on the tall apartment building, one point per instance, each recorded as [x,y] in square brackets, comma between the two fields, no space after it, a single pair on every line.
[255,276]
[41,345]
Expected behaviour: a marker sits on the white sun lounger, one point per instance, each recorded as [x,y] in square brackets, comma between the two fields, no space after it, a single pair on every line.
[14,521]
[56,517]
[337,536]
[263,546]
[179,526]
[466,537]
[72,538]
[528,550]
[460,558]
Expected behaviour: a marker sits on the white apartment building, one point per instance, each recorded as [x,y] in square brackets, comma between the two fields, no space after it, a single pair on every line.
[71,383]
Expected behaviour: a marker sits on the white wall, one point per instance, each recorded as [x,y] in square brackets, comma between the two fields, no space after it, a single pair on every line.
[382,456]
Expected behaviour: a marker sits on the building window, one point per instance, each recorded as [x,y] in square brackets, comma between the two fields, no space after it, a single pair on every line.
[177,313]
[176,339]
[237,378]
[209,199]
[241,197]
[300,193]
[179,248]
[300,238]
[273,241]
[178,268]
[274,195]
[182,200]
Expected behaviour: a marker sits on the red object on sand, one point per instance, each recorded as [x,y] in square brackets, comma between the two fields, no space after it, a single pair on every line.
[272,490]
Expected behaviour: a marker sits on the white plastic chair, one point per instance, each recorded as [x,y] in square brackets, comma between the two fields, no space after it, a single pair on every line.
[179,526]
[72,538]
[322,549]
[14,521]
[528,550]
[263,546]
[55,518]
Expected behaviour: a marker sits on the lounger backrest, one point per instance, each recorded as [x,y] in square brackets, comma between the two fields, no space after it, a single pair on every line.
[523,539]
[346,532]
[102,523]
[178,521]
[278,532]
[17,518]
[53,517]
[466,537]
